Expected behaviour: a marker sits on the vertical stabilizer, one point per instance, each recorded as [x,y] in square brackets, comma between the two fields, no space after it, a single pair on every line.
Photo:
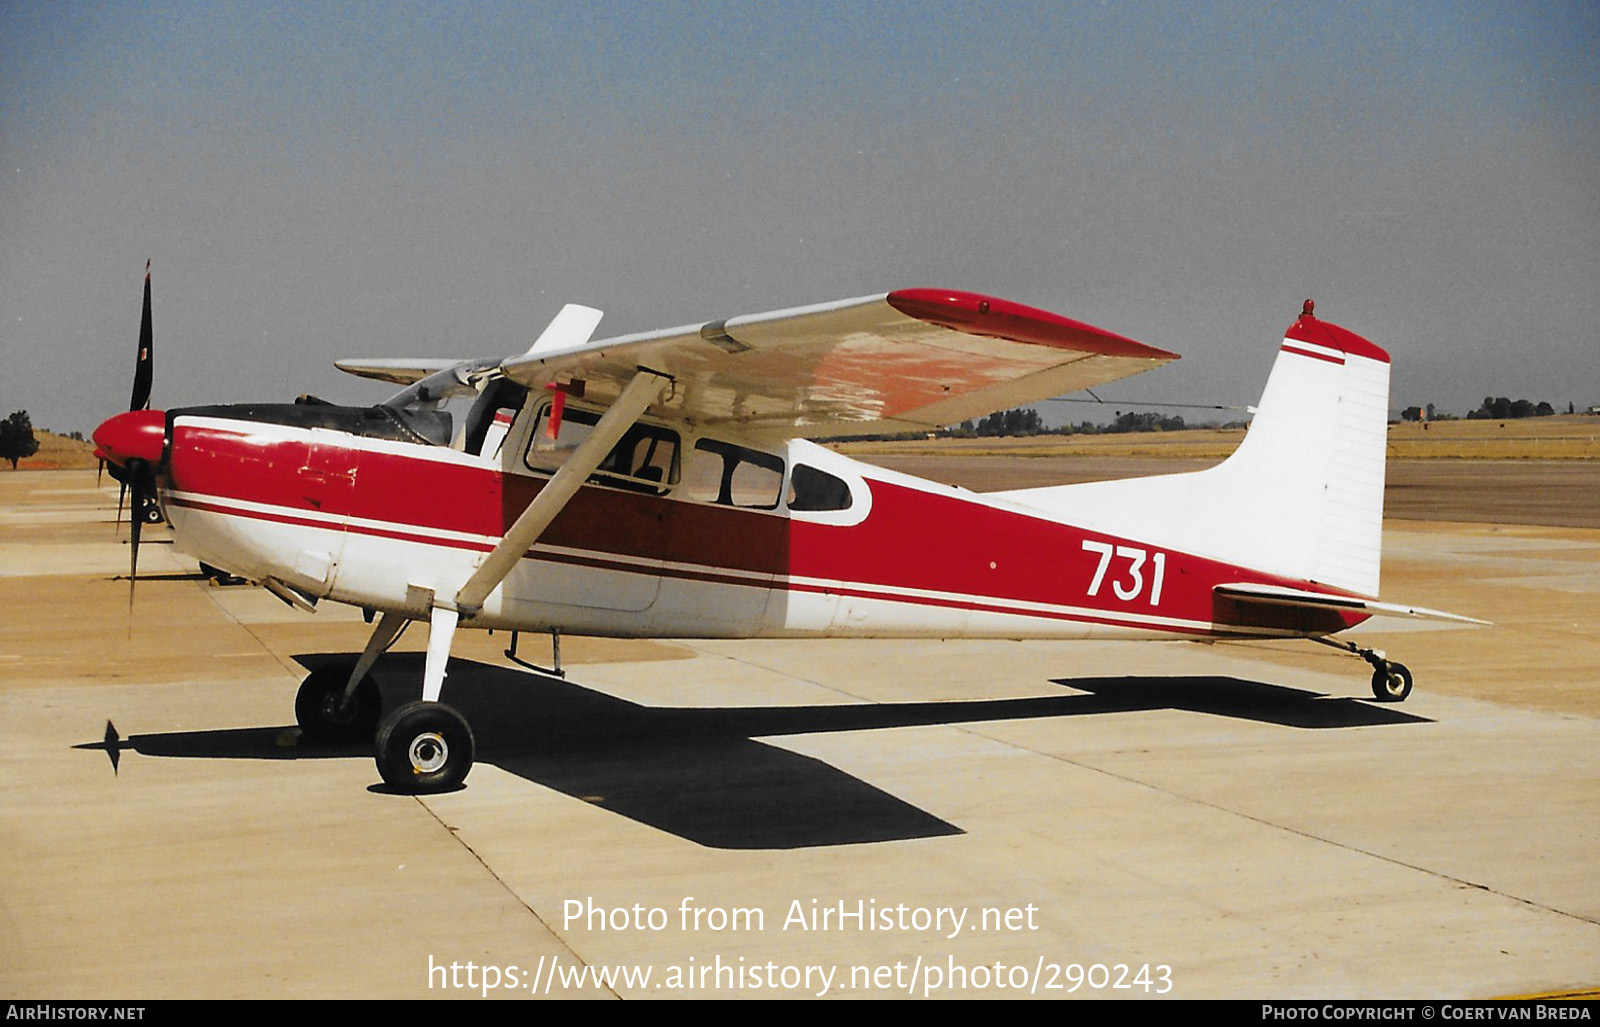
[1301,497]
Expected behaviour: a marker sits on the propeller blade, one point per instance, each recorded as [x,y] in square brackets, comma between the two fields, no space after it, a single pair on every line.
[143,370]
[135,522]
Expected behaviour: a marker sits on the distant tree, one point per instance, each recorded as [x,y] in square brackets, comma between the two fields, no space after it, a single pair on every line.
[1411,414]
[16,438]
[1021,421]
[1131,421]
[1501,408]
[1431,414]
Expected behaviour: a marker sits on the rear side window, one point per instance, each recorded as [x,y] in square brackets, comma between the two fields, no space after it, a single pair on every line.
[811,489]
[729,475]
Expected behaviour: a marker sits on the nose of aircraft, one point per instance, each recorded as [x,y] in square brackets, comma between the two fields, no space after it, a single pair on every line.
[135,435]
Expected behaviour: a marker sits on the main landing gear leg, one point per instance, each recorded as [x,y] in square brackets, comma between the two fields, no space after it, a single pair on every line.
[340,703]
[1391,681]
[427,746]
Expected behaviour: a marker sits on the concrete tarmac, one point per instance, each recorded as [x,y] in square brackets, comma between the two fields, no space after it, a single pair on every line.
[798,818]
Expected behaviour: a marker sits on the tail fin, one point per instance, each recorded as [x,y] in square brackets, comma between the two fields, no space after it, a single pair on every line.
[1301,497]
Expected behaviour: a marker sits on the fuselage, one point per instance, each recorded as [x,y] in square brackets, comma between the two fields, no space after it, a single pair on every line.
[684,535]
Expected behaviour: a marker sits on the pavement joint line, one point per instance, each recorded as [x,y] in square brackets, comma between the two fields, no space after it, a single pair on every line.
[455,835]
[283,661]
[1291,830]
[747,662]
[976,730]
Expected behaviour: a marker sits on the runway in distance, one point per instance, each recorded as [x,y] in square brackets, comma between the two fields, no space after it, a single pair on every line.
[661,485]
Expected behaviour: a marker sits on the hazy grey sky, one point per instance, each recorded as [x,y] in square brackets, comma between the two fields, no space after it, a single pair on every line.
[346,179]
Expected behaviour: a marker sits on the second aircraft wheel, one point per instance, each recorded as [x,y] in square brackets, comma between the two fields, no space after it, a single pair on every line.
[1391,682]
[324,718]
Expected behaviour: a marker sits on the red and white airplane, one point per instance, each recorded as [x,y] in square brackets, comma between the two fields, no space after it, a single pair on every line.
[660,485]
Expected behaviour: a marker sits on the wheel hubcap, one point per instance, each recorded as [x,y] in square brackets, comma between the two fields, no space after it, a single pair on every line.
[428,752]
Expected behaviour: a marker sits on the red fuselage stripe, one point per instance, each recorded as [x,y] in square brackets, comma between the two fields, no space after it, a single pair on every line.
[984,604]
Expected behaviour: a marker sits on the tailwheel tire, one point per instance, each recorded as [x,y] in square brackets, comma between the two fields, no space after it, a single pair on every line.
[324,717]
[424,747]
[1391,682]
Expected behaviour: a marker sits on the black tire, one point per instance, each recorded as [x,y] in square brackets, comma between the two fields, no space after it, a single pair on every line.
[1391,682]
[424,747]
[321,715]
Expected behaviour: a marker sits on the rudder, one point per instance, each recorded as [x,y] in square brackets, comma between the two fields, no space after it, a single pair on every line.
[1302,496]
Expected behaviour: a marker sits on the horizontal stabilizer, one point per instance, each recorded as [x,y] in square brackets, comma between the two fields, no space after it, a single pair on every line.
[1280,595]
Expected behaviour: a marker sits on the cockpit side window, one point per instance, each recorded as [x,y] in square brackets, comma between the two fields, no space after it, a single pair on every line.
[643,460]
[729,475]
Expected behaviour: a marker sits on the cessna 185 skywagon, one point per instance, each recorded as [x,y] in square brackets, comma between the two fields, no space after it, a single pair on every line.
[660,485]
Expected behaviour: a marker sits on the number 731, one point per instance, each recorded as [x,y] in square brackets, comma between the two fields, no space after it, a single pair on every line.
[1130,587]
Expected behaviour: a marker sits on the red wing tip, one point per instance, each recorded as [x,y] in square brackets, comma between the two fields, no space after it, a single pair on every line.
[974,314]
[1322,333]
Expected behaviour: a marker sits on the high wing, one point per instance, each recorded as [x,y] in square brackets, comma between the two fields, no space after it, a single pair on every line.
[909,360]
[400,370]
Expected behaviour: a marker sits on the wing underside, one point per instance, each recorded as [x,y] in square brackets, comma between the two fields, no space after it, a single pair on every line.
[401,371]
[911,360]
[902,361]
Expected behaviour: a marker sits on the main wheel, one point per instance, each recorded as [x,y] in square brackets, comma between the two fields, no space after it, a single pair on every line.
[424,747]
[1391,682]
[324,717]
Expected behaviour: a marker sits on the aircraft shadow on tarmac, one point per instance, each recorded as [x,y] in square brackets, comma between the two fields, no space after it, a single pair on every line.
[702,773]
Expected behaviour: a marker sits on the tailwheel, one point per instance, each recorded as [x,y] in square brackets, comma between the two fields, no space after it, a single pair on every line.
[1391,682]
[424,747]
[324,716]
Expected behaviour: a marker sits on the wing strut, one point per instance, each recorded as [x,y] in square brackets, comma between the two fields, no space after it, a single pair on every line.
[643,389]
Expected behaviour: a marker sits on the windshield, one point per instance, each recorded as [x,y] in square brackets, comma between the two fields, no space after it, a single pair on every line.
[431,406]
